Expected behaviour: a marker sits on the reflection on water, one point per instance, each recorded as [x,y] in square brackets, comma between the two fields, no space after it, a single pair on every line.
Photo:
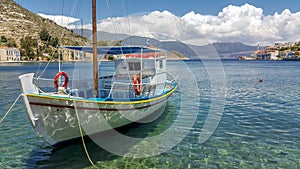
[260,126]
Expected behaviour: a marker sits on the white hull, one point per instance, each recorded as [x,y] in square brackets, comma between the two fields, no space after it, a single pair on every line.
[53,116]
[136,92]
[56,121]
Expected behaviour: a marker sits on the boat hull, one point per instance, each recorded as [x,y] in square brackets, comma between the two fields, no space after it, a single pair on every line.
[55,118]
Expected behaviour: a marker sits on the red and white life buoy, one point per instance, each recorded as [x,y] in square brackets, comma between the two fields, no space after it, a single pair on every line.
[137,84]
[66,79]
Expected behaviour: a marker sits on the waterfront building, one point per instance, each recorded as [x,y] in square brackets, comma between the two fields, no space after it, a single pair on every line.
[71,55]
[9,54]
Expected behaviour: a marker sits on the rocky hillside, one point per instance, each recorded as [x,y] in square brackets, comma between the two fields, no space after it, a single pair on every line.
[17,22]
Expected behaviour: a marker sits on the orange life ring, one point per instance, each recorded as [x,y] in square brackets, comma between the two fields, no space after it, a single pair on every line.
[137,85]
[56,79]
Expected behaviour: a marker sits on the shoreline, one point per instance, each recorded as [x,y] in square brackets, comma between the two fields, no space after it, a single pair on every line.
[22,61]
[3,62]
[170,59]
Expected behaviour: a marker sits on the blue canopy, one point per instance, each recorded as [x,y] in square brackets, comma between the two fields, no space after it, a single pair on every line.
[113,50]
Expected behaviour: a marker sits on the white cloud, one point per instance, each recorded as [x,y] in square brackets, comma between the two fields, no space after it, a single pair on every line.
[246,24]
[64,21]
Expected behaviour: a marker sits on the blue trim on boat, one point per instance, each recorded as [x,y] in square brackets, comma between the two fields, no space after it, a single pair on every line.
[112,50]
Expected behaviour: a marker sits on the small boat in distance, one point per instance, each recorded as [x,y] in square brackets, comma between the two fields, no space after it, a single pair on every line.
[136,91]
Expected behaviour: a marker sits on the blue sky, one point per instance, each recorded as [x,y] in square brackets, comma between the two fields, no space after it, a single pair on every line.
[81,8]
[251,22]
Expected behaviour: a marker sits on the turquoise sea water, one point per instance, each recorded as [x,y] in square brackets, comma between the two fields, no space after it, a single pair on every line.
[259,128]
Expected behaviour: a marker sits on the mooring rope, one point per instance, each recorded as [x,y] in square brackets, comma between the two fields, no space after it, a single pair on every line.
[10,108]
[82,139]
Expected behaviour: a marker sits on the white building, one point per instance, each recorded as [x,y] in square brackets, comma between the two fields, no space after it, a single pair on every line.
[9,54]
[71,55]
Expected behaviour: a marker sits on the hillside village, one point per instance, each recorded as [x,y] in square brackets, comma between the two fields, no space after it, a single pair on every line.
[27,36]
[278,51]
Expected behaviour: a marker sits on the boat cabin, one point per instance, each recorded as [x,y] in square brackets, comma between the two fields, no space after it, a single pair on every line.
[139,72]
[152,78]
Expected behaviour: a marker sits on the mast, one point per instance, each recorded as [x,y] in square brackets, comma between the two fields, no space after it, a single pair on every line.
[95,53]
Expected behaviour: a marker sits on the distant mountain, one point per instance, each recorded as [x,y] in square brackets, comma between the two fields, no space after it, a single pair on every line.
[233,50]
[100,34]
[17,22]
[225,50]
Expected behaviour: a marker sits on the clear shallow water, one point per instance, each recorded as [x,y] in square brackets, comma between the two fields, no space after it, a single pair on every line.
[259,127]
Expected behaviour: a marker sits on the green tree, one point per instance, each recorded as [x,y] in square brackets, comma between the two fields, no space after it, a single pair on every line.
[283,48]
[75,44]
[28,44]
[111,57]
[3,39]
[54,42]
[294,48]
[11,42]
[118,43]
[44,35]
[102,43]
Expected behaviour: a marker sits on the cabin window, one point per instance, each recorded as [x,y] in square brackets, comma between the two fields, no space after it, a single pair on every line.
[161,64]
[123,64]
[134,66]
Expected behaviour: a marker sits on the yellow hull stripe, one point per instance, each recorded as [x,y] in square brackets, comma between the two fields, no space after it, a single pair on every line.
[101,102]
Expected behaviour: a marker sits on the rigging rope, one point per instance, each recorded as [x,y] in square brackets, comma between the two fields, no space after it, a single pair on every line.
[82,139]
[110,13]
[10,108]
[125,13]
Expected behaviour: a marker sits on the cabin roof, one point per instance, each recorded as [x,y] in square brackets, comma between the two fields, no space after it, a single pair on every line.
[113,50]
